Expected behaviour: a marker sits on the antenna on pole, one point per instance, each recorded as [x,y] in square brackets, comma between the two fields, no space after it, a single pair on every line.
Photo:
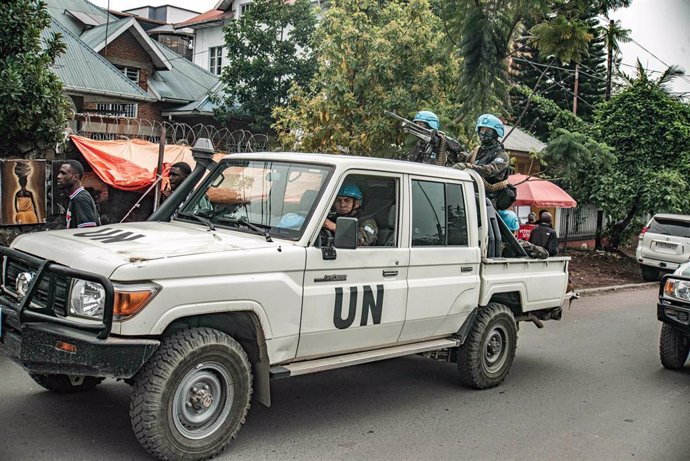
[107,23]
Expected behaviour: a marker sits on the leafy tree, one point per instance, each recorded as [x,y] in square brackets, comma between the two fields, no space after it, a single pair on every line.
[269,47]
[558,81]
[373,56]
[650,131]
[33,113]
[578,162]
[484,32]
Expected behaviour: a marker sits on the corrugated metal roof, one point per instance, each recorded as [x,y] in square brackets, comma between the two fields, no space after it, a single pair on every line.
[208,16]
[202,106]
[82,70]
[96,36]
[57,8]
[519,141]
[185,82]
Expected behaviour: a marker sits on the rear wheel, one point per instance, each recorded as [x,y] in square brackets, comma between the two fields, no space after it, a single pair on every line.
[63,384]
[649,273]
[674,346]
[192,396]
[485,359]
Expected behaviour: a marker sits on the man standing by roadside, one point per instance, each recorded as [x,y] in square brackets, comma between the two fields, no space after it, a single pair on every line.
[544,235]
[81,211]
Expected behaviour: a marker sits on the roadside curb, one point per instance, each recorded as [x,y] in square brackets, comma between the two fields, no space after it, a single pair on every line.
[590,291]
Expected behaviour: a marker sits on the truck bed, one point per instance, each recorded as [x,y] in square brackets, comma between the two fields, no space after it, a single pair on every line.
[540,283]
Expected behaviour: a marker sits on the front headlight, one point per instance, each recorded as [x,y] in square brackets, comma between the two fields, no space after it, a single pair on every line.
[679,289]
[87,299]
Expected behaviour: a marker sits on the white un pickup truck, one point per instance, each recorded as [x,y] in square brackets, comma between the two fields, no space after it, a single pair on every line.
[233,283]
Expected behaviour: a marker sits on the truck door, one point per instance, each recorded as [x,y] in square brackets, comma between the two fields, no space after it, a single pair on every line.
[443,277]
[357,300]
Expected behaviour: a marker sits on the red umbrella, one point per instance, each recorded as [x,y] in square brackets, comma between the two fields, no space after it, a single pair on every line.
[532,191]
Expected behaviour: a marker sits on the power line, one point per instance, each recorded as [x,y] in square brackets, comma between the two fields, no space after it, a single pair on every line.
[563,86]
[683,76]
[572,71]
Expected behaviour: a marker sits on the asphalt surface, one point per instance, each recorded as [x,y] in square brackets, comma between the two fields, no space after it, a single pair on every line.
[587,387]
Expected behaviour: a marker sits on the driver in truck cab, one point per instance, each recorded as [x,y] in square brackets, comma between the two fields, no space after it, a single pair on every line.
[348,204]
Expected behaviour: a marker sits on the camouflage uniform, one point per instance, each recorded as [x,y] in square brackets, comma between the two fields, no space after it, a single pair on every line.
[490,161]
[368,230]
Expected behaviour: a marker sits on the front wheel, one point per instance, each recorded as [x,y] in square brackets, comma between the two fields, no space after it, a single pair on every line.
[192,396]
[484,360]
[673,347]
[64,384]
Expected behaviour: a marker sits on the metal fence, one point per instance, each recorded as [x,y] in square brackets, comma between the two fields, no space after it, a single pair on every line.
[103,127]
[581,222]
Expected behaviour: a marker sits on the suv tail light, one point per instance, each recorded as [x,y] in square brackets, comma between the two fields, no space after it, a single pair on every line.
[644,229]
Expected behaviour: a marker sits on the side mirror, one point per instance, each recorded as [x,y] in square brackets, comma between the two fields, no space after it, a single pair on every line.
[346,233]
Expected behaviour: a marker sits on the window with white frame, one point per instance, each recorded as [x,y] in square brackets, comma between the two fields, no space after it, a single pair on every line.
[118,110]
[215,59]
[131,73]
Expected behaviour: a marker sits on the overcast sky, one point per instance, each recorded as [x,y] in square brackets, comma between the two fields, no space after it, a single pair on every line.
[660,26]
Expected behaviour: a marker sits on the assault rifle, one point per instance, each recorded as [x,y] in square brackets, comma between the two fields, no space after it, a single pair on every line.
[439,147]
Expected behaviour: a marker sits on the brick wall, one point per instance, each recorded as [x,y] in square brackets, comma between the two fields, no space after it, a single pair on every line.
[126,51]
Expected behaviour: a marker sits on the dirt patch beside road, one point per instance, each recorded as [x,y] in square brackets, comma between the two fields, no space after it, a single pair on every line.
[592,269]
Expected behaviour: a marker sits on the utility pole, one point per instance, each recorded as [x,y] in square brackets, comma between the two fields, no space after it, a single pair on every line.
[609,61]
[577,83]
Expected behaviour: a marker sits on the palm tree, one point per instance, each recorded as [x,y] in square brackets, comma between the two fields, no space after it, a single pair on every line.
[614,35]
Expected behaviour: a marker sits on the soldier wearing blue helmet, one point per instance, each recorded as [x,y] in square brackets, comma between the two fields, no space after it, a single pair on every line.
[348,204]
[436,149]
[491,160]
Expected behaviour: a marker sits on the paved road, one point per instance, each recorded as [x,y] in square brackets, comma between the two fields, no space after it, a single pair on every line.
[588,387]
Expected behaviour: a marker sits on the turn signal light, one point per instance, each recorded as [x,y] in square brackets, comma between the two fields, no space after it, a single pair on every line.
[128,303]
[67,347]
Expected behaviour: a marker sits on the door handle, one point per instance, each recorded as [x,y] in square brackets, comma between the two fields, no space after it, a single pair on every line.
[466,269]
[390,273]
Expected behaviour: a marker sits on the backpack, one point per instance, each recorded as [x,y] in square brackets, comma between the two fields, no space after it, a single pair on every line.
[534,251]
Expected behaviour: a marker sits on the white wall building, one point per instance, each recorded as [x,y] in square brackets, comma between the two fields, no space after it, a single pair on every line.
[209,51]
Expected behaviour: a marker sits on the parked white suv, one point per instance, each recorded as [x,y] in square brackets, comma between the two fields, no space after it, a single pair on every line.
[664,244]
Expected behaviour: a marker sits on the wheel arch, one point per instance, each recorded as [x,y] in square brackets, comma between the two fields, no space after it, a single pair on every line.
[511,299]
[246,328]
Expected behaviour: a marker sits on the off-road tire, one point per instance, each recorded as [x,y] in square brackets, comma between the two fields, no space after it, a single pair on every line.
[484,360]
[62,384]
[192,396]
[674,346]
[649,273]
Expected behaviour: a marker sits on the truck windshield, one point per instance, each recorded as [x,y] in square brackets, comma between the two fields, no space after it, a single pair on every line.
[277,197]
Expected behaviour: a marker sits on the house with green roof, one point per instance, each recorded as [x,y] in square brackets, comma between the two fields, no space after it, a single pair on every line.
[113,68]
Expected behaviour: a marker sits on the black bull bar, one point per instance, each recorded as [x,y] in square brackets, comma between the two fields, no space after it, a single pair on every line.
[44,268]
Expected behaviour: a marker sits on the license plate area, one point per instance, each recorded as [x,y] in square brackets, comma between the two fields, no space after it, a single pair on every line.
[666,247]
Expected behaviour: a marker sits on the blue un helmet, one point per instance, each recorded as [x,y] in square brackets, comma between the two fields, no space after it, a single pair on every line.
[429,118]
[490,121]
[291,221]
[350,190]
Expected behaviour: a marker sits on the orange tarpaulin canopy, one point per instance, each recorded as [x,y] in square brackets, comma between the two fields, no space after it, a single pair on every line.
[533,191]
[129,164]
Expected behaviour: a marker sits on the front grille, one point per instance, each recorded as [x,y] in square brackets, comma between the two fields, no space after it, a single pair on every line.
[53,283]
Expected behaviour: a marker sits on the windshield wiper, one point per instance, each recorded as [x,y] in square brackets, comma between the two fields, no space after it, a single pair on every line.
[254,227]
[201,219]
